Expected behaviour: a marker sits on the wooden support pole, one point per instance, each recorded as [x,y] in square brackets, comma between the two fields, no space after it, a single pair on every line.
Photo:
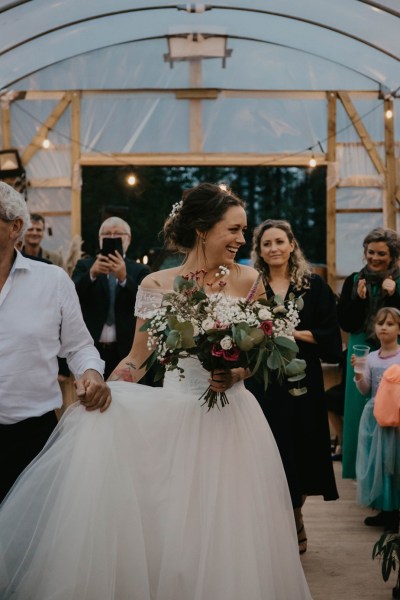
[75,164]
[5,124]
[331,183]
[195,109]
[389,200]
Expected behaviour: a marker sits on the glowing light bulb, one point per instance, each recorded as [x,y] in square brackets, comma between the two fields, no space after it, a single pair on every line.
[46,143]
[312,162]
[131,180]
[145,259]
[389,114]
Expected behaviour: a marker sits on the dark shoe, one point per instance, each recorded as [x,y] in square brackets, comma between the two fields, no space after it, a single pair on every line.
[388,519]
[392,522]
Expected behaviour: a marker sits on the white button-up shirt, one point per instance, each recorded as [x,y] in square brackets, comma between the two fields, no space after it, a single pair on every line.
[40,319]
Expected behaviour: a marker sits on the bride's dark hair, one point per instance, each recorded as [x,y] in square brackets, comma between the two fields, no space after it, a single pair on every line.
[200,209]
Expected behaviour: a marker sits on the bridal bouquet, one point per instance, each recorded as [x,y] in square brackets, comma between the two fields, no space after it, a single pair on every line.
[224,333]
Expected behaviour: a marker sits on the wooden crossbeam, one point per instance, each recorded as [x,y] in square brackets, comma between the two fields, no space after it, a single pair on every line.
[362,132]
[36,142]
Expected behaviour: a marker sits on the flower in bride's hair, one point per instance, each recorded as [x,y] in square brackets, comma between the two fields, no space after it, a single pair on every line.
[175,208]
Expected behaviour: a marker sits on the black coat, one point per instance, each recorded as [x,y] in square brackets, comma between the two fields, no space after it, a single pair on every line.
[300,423]
[94,297]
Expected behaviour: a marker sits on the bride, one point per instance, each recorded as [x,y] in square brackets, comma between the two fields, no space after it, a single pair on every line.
[158,499]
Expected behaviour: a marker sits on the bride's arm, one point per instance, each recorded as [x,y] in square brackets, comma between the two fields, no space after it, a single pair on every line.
[129,367]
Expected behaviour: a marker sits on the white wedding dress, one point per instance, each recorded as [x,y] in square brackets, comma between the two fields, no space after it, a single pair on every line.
[155,499]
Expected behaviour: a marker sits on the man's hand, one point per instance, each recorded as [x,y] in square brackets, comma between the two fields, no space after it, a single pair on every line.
[92,392]
[101,266]
[118,266]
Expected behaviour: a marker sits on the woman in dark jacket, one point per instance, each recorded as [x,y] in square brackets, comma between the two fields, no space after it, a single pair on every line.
[363,294]
[300,423]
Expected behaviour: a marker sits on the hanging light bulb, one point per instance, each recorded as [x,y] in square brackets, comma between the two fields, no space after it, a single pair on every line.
[131,179]
[312,162]
[46,143]
[389,114]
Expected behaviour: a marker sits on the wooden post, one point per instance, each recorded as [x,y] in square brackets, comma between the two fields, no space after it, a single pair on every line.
[389,200]
[5,124]
[195,108]
[331,192]
[75,164]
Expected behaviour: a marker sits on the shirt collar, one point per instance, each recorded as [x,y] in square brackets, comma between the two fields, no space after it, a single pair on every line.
[20,262]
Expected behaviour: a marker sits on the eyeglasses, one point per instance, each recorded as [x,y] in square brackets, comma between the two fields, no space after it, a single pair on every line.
[109,234]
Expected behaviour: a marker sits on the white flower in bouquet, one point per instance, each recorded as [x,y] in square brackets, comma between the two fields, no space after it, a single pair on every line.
[226,343]
[264,314]
[207,324]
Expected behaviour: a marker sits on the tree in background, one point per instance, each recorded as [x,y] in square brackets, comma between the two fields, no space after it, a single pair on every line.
[297,195]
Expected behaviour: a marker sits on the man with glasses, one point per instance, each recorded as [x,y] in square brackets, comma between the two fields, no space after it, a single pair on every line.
[107,287]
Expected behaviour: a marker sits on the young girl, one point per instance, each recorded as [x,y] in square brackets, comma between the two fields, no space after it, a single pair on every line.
[378,454]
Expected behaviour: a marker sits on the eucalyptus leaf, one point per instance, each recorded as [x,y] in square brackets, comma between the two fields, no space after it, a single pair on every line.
[274,360]
[173,340]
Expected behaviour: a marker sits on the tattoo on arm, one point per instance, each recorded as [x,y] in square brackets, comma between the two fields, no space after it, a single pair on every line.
[131,365]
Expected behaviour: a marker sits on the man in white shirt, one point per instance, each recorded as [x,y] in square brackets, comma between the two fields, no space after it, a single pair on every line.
[40,318]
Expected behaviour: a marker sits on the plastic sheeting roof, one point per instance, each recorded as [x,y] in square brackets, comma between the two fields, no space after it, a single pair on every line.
[311,44]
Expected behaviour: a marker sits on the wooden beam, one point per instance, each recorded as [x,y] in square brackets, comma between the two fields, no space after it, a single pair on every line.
[75,165]
[362,132]
[195,109]
[5,124]
[55,182]
[55,213]
[358,210]
[199,159]
[331,192]
[389,200]
[231,93]
[36,142]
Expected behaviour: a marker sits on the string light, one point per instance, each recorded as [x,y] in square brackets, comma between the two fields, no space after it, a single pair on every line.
[46,143]
[312,162]
[389,114]
[131,179]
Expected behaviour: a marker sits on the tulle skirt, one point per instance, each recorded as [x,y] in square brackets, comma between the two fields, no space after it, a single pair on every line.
[378,463]
[155,499]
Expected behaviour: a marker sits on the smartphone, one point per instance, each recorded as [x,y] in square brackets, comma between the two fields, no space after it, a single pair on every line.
[110,245]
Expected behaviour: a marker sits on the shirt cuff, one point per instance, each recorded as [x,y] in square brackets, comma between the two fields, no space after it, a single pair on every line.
[122,283]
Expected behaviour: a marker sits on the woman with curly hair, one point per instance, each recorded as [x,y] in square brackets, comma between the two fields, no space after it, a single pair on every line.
[299,423]
[376,286]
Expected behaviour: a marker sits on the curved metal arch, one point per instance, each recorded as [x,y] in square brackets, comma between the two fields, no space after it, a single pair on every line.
[12,5]
[386,9]
[315,24]
[211,6]
[233,37]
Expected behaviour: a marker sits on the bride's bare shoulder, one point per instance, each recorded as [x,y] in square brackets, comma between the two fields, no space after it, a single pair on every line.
[161,280]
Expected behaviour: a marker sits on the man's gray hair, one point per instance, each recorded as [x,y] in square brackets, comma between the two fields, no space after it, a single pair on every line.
[13,206]
[115,222]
